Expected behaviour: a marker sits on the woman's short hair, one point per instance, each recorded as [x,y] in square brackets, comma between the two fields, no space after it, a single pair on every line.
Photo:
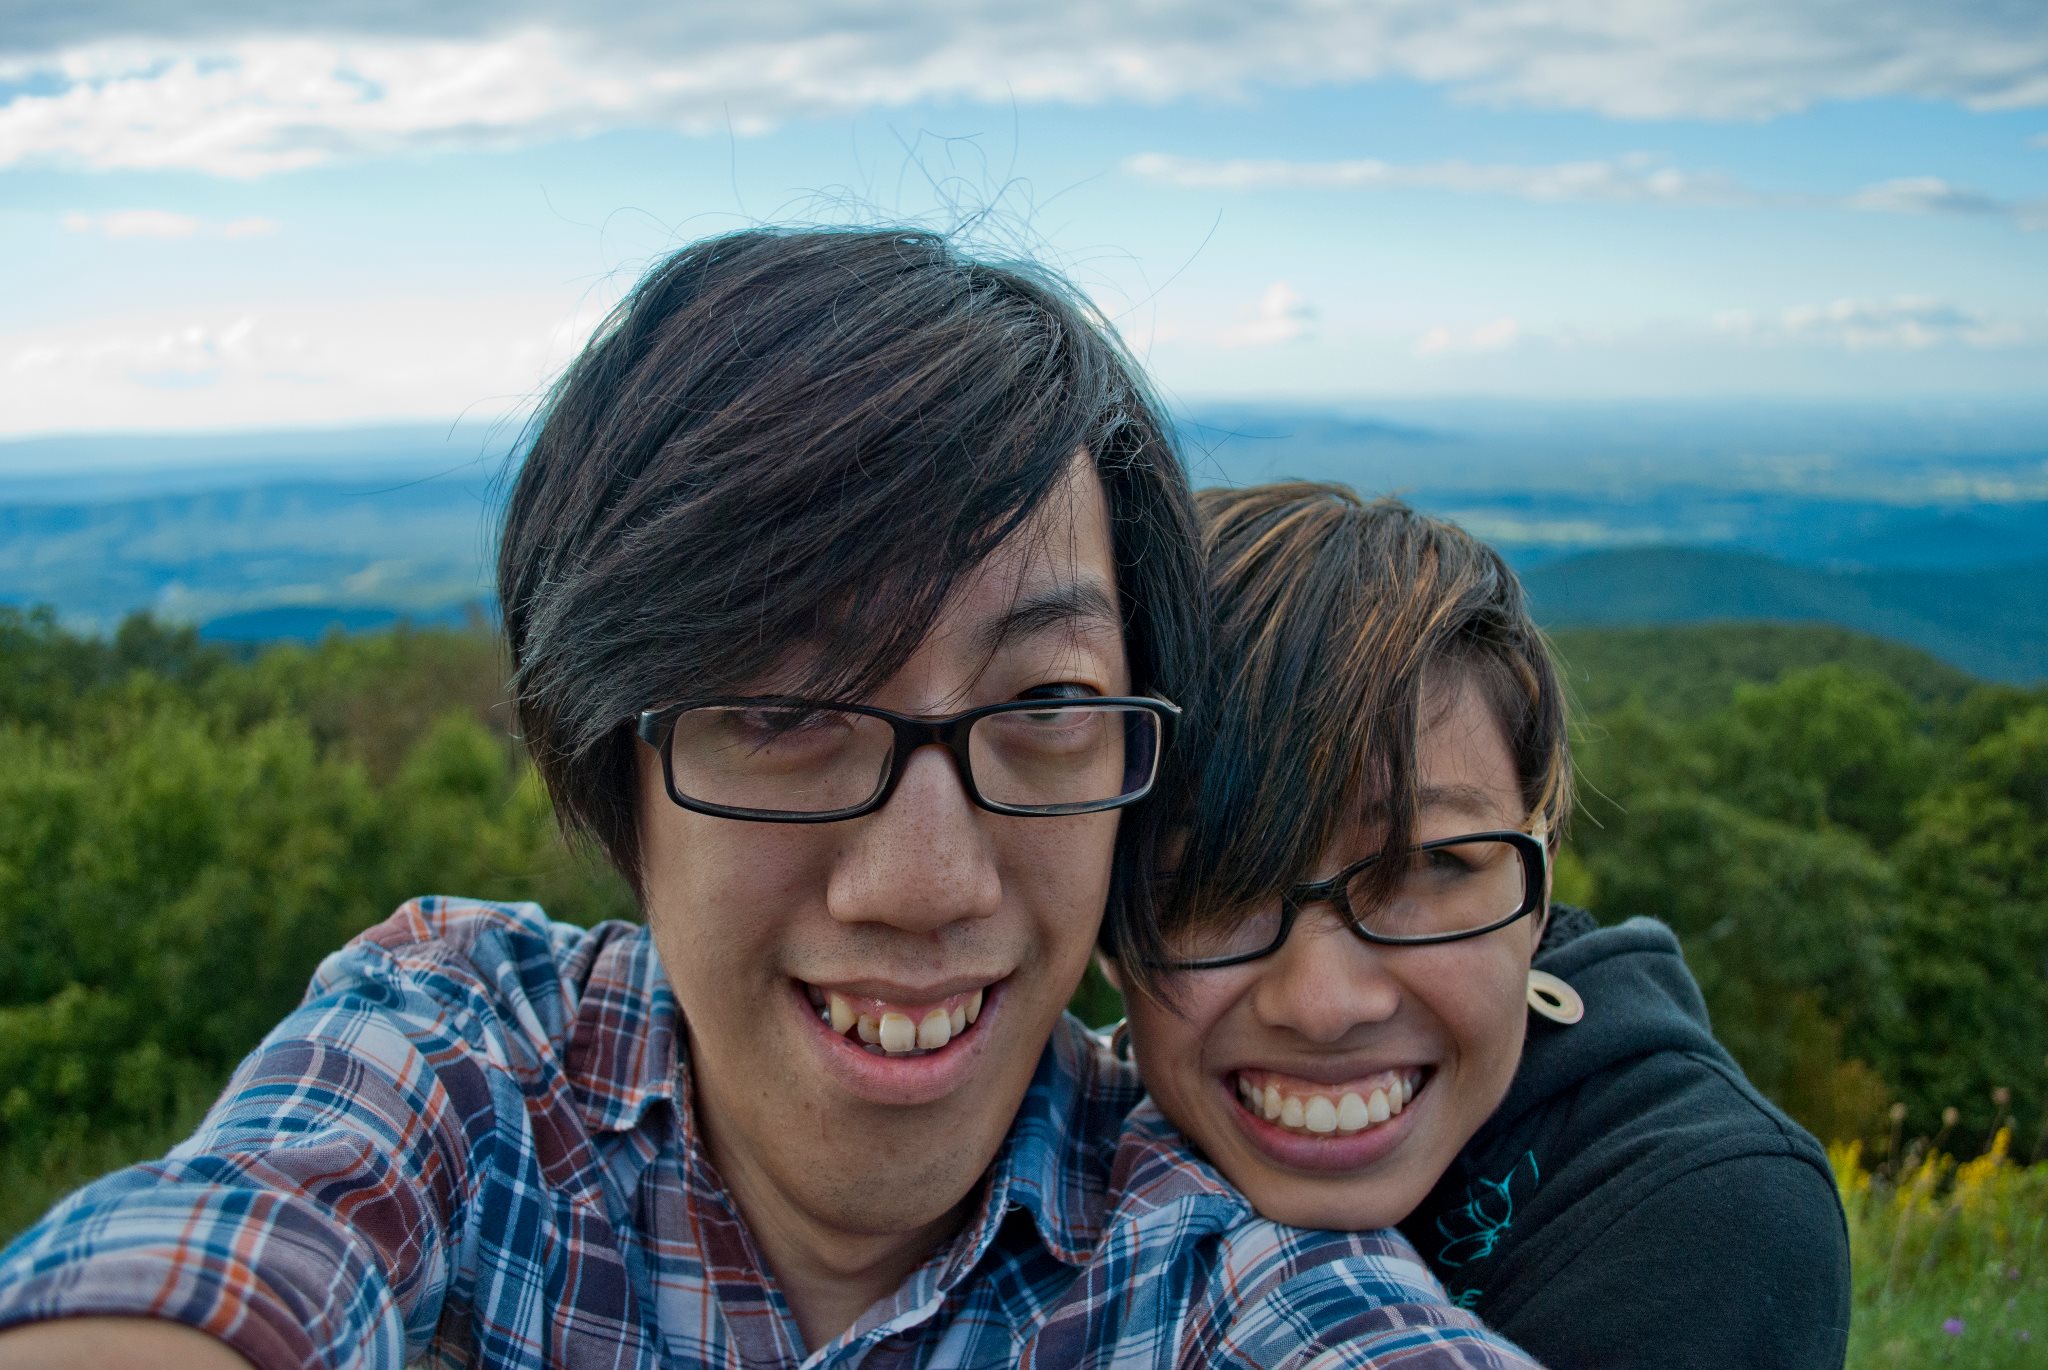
[790,438]
[1334,615]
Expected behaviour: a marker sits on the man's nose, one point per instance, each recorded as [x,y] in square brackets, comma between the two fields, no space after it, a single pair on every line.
[1325,981]
[921,861]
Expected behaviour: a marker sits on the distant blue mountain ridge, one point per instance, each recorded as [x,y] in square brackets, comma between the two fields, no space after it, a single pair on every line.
[1989,621]
[1617,514]
[311,622]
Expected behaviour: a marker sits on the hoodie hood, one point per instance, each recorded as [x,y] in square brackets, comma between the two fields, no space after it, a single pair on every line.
[1640,1000]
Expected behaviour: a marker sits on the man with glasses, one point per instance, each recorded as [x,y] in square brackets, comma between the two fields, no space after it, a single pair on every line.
[849,584]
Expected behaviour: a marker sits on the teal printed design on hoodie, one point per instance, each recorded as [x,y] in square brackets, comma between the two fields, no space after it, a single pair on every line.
[1474,1228]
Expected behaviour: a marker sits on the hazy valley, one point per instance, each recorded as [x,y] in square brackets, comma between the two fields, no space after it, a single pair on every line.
[1928,526]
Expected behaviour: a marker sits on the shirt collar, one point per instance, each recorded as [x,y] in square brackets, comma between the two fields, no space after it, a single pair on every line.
[1056,1162]
[624,1053]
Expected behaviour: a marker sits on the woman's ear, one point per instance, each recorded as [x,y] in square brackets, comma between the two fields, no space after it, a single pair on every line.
[1550,854]
[1109,972]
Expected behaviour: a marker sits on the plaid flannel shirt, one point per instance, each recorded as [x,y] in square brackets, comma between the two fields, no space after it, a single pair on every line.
[474,1144]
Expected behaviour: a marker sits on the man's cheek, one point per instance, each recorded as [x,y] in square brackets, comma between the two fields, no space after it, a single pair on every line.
[1065,885]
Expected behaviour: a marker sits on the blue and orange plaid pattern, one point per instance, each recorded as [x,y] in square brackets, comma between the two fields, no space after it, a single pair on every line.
[473,1145]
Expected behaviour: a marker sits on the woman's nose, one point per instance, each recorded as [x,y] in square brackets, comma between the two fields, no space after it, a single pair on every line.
[1325,981]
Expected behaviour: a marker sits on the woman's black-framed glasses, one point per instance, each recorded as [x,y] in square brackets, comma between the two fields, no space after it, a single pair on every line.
[784,760]
[1446,891]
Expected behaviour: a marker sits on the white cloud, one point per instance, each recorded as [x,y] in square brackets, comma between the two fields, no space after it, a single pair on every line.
[1932,195]
[192,354]
[234,89]
[1636,178]
[1441,340]
[1910,323]
[337,362]
[162,223]
[1281,315]
[134,223]
[1925,195]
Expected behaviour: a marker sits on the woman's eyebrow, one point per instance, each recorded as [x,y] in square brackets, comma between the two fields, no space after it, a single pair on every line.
[1469,799]
[1079,606]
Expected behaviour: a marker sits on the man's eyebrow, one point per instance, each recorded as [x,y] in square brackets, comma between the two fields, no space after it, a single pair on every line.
[1078,606]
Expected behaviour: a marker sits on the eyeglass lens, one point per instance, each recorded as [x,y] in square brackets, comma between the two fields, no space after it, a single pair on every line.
[790,759]
[1453,888]
[1458,887]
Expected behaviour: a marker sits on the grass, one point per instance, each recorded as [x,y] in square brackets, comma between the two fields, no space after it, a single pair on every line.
[1948,1258]
[33,1179]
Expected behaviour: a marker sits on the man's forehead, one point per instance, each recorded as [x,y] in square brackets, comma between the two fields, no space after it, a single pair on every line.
[1084,606]
[973,632]
[1054,573]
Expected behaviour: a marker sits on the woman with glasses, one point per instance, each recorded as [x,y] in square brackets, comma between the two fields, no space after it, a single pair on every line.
[1369,1013]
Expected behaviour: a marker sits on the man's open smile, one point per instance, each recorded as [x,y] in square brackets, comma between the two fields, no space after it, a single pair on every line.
[895,1023]
[898,1045]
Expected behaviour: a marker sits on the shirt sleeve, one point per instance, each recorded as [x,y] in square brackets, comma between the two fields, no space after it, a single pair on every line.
[1335,1301]
[1177,1290]
[311,1218]
[1741,1262]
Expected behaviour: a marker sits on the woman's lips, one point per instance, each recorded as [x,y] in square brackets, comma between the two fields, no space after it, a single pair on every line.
[1317,1139]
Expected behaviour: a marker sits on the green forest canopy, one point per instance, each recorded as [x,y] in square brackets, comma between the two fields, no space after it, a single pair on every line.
[1850,838]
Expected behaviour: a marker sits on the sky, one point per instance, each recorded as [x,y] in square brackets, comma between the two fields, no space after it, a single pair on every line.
[227,214]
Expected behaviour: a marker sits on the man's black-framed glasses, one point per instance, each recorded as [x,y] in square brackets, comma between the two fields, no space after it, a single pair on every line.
[784,760]
[1445,891]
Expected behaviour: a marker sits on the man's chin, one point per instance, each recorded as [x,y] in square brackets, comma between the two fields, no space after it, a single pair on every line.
[916,1133]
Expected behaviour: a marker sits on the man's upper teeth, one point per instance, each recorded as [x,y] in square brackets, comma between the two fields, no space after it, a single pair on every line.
[895,1031]
[1299,1108]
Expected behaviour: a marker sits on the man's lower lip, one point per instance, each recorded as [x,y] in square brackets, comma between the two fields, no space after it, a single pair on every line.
[880,1078]
[1333,1151]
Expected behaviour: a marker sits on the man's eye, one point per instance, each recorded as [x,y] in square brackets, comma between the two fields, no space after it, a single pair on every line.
[775,719]
[782,726]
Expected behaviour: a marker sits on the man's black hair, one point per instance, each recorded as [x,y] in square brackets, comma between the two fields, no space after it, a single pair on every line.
[808,438]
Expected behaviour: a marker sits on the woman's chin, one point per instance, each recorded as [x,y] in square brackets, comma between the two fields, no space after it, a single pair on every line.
[1325,1205]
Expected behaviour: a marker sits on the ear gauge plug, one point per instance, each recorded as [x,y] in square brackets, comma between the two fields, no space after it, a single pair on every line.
[1554,999]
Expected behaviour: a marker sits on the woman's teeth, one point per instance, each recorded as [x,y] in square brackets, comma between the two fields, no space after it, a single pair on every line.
[1320,1114]
[897,1032]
